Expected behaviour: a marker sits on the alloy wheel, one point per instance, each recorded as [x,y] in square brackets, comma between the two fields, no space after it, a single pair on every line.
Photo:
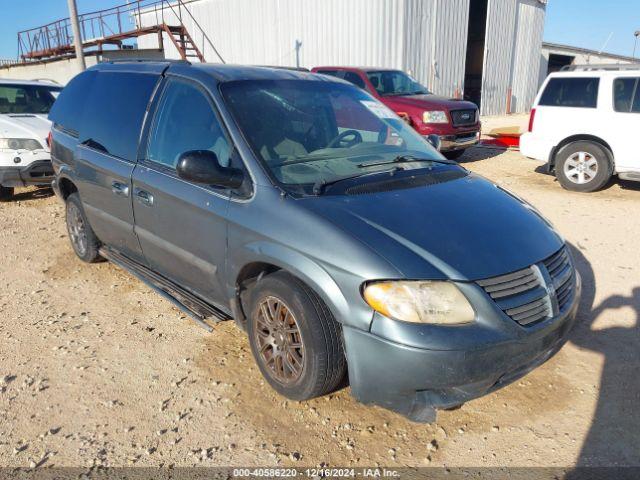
[279,340]
[76,228]
[581,168]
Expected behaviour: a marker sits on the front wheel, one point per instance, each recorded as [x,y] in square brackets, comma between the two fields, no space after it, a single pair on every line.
[294,338]
[583,166]
[83,240]
[5,193]
[453,154]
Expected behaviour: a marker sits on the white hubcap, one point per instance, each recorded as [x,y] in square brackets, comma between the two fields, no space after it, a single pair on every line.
[581,167]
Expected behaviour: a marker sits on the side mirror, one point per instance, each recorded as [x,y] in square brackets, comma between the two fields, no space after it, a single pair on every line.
[435,141]
[201,166]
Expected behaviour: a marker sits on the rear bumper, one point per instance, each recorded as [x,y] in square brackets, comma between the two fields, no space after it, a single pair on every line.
[415,381]
[458,141]
[535,147]
[39,172]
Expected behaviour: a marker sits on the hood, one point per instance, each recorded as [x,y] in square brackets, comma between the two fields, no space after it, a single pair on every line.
[430,102]
[25,125]
[465,229]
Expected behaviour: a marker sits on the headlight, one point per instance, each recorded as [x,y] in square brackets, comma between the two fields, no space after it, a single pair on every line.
[436,116]
[19,144]
[435,302]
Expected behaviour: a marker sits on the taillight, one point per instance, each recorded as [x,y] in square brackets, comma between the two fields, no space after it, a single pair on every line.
[49,139]
[532,117]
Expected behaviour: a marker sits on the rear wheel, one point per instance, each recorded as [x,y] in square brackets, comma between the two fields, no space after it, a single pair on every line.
[83,240]
[294,338]
[583,166]
[453,154]
[5,193]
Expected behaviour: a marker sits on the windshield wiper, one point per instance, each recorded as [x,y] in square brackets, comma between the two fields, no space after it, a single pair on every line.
[320,186]
[405,159]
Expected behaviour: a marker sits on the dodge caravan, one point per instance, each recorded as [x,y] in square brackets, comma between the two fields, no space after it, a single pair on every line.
[328,228]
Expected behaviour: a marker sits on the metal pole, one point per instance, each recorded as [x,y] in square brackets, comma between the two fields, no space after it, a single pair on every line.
[635,42]
[77,39]
[298,45]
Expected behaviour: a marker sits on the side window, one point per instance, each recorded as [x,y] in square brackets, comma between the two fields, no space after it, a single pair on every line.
[115,111]
[68,109]
[354,78]
[333,73]
[578,92]
[185,120]
[626,97]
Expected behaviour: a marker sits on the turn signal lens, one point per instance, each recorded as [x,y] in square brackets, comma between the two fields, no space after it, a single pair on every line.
[433,302]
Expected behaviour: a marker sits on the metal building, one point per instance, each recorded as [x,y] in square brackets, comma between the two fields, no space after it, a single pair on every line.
[486,50]
[556,56]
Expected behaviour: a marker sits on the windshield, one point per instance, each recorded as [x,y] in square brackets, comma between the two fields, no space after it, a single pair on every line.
[27,98]
[394,83]
[307,132]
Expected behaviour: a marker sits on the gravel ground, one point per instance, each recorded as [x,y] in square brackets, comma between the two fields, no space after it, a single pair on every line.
[96,369]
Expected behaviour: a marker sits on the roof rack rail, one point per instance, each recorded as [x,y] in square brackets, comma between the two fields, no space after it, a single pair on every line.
[601,66]
[149,60]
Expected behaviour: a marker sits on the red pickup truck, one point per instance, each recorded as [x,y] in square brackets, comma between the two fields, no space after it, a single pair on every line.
[456,122]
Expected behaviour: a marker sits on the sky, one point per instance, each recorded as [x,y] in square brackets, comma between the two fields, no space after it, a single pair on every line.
[580,23]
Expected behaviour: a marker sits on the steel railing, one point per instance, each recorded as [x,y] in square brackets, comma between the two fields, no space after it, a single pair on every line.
[109,26]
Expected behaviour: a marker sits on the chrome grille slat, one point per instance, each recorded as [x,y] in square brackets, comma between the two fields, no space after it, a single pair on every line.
[514,290]
[526,295]
[527,307]
[538,313]
[504,278]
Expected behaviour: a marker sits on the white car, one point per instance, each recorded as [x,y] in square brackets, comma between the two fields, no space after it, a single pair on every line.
[584,123]
[24,129]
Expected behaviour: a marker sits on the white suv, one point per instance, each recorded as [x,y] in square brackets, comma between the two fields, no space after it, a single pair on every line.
[584,123]
[24,129]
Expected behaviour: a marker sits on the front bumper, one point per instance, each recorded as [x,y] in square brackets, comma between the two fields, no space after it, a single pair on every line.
[458,141]
[39,172]
[416,381]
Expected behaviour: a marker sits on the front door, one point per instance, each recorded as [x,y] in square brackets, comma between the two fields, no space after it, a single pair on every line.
[182,226]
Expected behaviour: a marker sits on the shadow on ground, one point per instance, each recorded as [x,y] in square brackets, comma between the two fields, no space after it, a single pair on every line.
[614,435]
[478,152]
[29,195]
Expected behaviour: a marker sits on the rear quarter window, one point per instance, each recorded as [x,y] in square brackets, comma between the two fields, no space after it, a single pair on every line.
[115,111]
[579,92]
[68,110]
[626,95]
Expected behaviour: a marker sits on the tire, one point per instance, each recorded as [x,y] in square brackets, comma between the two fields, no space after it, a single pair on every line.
[453,154]
[83,240]
[6,193]
[315,369]
[583,166]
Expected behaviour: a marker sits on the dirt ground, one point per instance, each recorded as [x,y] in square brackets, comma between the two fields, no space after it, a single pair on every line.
[96,369]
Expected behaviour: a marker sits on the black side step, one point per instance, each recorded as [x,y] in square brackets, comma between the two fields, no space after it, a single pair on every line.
[199,310]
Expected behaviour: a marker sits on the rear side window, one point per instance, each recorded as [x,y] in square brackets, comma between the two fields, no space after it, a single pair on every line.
[354,78]
[68,109]
[333,73]
[115,111]
[581,92]
[626,95]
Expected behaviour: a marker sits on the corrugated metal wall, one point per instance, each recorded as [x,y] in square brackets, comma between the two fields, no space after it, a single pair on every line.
[435,40]
[428,38]
[512,55]
[528,55]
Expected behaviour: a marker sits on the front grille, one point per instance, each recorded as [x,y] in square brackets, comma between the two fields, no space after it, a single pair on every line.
[40,171]
[461,118]
[561,272]
[528,296]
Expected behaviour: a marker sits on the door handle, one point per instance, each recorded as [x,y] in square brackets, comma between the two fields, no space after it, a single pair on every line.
[120,189]
[144,197]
